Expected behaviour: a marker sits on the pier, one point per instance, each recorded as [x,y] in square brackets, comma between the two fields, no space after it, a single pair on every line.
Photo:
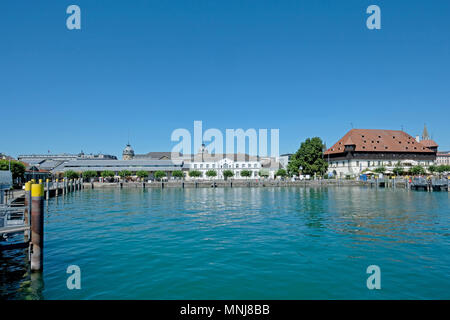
[25,214]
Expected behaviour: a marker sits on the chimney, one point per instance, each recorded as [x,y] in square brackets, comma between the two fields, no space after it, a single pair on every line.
[418,138]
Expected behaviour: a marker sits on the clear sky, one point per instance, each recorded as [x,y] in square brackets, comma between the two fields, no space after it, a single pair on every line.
[308,68]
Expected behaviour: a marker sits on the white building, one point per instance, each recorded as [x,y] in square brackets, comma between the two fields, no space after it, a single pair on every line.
[258,166]
[367,149]
[443,158]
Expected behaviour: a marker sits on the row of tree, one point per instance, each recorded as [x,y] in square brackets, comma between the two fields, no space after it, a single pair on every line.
[415,170]
[125,174]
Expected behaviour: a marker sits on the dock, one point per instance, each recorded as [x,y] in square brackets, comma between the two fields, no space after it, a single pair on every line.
[24,214]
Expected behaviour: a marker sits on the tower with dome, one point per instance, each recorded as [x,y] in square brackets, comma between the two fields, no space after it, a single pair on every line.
[128,152]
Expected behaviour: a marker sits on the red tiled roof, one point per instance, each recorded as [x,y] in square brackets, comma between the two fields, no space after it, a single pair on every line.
[374,140]
[429,143]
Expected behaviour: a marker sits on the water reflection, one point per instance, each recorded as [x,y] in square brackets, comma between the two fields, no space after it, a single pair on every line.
[214,236]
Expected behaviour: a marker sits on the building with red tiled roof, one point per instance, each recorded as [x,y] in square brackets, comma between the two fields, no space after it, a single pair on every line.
[443,158]
[366,149]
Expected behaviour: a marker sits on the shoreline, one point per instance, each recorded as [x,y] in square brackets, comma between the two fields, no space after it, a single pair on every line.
[224,184]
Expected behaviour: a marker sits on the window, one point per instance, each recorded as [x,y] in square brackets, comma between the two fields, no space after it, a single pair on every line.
[207,165]
[213,165]
[201,166]
[237,165]
[195,166]
[243,165]
[255,165]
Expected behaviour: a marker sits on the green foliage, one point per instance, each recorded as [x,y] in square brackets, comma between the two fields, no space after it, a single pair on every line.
[124,174]
[70,174]
[246,173]
[17,168]
[417,170]
[160,174]
[108,174]
[227,174]
[310,157]
[398,169]
[211,173]
[263,173]
[142,174]
[443,168]
[432,168]
[281,173]
[195,174]
[89,174]
[380,170]
[178,174]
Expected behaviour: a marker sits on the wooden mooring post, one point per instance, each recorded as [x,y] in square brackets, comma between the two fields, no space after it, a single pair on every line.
[57,187]
[47,189]
[27,211]
[37,227]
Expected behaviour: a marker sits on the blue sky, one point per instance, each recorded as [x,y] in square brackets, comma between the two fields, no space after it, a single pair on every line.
[308,68]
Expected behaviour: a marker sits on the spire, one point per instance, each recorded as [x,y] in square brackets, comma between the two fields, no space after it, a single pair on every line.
[425,135]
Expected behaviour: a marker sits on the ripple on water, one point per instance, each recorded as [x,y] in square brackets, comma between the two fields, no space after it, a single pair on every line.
[282,243]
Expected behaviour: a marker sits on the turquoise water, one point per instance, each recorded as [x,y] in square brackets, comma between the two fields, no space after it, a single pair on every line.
[240,243]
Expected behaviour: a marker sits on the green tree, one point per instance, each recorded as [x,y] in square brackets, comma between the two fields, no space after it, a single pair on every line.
[159,174]
[432,169]
[227,174]
[443,168]
[398,169]
[281,173]
[263,173]
[124,174]
[195,174]
[310,157]
[142,174]
[90,174]
[380,170]
[17,168]
[417,170]
[211,173]
[70,174]
[246,173]
[107,174]
[178,174]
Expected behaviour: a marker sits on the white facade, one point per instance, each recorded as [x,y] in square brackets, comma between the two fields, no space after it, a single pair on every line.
[354,167]
[227,164]
[443,158]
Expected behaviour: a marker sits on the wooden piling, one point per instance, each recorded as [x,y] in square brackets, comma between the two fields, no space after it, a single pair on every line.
[27,211]
[37,227]
[47,187]
[56,189]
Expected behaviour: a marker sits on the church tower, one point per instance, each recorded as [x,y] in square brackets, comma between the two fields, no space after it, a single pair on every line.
[425,135]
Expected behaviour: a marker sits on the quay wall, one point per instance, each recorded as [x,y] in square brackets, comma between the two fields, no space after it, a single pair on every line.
[225,184]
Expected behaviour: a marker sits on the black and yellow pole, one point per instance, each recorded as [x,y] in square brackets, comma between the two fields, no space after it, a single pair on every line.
[37,227]
[27,207]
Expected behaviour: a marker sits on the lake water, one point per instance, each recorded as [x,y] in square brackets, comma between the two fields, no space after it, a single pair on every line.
[240,243]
